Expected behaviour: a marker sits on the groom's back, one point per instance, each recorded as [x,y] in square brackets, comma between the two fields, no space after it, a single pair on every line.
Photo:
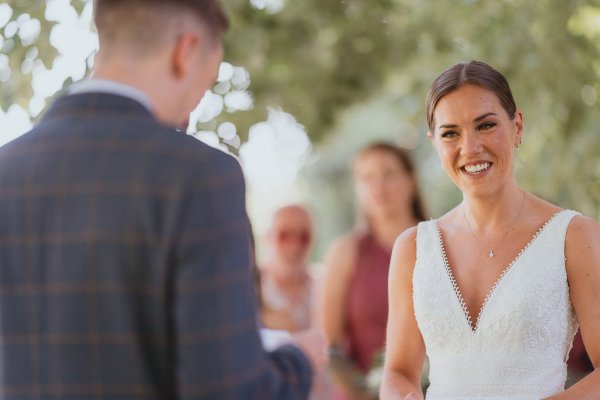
[91,228]
[124,244]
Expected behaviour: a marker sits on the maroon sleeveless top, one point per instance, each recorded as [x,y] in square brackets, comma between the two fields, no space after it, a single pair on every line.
[367,302]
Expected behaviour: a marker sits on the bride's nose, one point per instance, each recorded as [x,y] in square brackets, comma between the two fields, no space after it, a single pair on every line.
[470,144]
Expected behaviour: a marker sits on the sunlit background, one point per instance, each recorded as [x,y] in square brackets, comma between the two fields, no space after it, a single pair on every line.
[304,84]
[274,153]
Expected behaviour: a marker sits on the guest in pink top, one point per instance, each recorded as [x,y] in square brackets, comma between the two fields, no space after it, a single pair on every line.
[366,304]
[353,300]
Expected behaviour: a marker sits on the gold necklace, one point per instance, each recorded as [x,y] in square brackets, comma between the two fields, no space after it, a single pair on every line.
[492,251]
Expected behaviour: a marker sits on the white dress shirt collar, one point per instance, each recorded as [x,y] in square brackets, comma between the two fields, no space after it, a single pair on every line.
[96,85]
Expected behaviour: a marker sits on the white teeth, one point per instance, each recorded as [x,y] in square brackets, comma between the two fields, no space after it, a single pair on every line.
[473,169]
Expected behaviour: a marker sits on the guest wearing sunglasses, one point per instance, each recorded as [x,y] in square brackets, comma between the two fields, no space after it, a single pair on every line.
[287,288]
[285,283]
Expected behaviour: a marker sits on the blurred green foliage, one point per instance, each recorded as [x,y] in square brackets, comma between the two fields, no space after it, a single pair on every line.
[355,70]
[17,89]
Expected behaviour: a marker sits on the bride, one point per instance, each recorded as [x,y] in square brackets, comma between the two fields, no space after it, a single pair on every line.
[494,290]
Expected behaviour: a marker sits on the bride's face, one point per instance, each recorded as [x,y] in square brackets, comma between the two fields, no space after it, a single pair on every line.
[475,139]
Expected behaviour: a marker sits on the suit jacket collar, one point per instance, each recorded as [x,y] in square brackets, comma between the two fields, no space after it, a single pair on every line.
[97,85]
[94,104]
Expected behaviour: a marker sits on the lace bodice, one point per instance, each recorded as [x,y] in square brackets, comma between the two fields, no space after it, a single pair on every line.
[518,346]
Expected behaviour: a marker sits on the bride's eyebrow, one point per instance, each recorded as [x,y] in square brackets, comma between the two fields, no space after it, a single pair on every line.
[484,116]
[446,126]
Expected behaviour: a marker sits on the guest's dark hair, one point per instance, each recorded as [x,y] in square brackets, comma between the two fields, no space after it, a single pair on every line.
[146,20]
[405,160]
[470,73]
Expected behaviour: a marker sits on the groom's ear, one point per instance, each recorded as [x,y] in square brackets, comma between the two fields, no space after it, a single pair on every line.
[185,49]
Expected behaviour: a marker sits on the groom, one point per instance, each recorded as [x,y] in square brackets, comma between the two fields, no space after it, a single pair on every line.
[124,253]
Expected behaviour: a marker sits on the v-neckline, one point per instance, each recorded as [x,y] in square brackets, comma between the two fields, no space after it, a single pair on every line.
[454,283]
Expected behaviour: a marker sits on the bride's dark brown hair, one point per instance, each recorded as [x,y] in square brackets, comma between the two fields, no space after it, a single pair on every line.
[470,73]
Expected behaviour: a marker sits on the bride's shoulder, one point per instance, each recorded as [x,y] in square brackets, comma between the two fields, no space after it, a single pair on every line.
[582,241]
[406,238]
[404,256]
[448,222]
[579,226]
[405,247]
[583,231]
[540,208]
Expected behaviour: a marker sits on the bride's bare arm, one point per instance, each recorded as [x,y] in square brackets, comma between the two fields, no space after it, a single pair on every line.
[405,350]
[582,251]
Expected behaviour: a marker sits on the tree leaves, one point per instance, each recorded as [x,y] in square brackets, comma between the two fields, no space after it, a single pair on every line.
[317,59]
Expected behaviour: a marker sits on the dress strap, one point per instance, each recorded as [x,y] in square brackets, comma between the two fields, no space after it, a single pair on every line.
[426,239]
[560,224]
[566,216]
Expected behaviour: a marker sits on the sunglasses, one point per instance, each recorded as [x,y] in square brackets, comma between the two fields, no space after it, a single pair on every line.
[302,237]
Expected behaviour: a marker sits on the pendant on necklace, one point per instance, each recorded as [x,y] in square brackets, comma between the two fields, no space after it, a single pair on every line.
[491,253]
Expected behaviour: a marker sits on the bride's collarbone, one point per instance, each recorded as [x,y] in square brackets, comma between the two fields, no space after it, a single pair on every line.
[470,254]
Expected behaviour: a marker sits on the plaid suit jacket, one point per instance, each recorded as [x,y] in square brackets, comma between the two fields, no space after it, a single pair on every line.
[125,265]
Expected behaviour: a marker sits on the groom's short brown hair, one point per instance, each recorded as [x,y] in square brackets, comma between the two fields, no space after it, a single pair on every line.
[146,23]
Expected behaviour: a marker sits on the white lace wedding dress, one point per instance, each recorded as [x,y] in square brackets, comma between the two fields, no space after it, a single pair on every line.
[518,345]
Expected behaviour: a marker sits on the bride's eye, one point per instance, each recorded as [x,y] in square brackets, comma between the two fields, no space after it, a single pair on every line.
[449,134]
[486,126]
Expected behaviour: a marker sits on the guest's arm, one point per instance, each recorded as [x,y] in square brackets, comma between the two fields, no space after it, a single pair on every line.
[217,351]
[331,315]
[582,252]
[405,350]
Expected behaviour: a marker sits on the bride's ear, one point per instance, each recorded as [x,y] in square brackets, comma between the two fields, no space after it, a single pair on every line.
[519,126]
[430,136]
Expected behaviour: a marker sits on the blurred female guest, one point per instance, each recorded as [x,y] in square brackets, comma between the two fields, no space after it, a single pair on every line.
[354,296]
[493,290]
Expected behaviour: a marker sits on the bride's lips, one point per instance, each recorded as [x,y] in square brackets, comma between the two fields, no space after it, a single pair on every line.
[477,168]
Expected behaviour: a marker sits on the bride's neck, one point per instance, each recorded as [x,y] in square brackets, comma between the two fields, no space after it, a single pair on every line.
[489,213]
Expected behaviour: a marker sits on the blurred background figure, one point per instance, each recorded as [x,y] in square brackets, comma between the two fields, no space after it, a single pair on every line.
[286,285]
[353,300]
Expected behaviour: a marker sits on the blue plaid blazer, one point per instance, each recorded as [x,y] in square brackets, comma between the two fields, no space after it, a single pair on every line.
[125,265]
